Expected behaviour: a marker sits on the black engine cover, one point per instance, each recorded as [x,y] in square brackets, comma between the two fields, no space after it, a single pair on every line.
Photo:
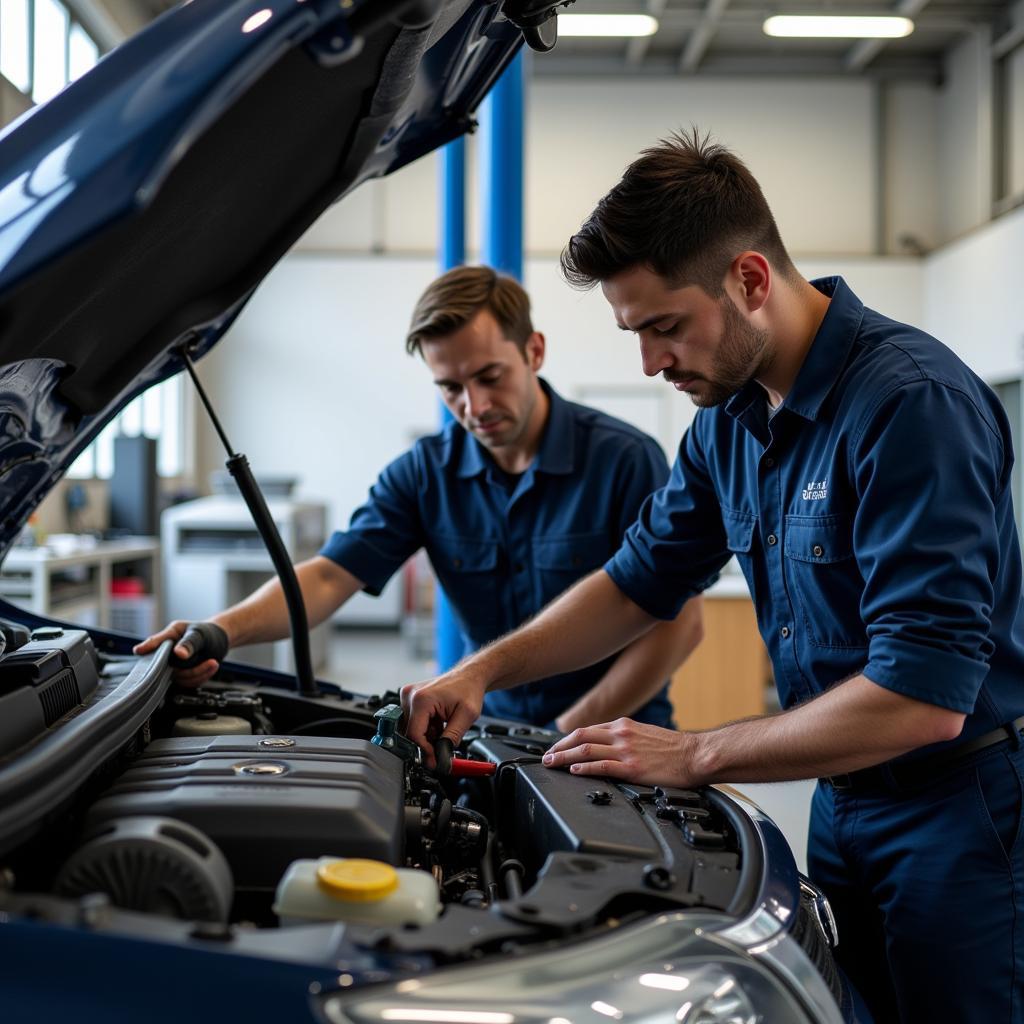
[268,800]
[681,832]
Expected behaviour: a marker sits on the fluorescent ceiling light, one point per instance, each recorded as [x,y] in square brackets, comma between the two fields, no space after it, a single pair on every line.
[607,25]
[814,26]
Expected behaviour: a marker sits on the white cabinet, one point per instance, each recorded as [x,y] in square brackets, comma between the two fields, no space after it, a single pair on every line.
[214,556]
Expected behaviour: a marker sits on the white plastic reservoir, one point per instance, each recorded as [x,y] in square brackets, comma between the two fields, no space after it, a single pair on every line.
[356,890]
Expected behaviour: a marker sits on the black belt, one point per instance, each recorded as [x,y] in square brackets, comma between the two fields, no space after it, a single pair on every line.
[907,774]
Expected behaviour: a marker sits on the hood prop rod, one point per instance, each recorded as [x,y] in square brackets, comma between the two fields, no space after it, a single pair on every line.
[238,467]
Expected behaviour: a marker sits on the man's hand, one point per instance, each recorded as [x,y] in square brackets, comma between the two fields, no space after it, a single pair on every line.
[191,677]
[854,724]
[446,706]
[628,750]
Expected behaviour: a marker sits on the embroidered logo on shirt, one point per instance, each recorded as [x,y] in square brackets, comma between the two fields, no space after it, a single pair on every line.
[816,490]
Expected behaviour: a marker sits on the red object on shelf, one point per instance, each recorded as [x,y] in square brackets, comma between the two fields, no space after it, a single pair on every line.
[128,586]
[464,768]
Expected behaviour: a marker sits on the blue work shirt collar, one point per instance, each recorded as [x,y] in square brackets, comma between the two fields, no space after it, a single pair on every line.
[557,445]
[823,364]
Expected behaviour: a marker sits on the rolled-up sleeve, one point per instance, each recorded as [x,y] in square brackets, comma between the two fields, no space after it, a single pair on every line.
[677,545]
[385,531]
[928,465]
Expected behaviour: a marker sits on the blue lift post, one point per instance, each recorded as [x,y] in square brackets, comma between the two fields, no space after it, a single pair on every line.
[501,172]
[447,638]
[501,206]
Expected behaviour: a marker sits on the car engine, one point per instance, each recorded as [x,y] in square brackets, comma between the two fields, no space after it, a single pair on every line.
[257,802]
[202,807]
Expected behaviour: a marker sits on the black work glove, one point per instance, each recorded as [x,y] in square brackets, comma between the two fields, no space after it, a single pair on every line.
[205,640]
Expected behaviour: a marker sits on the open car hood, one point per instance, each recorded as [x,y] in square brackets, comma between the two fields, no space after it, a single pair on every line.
[141,207]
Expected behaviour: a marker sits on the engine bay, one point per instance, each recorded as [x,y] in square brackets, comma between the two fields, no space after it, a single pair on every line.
[192,826]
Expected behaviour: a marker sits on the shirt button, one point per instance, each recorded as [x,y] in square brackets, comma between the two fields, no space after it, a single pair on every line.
[818,550]
[520,567]
[769,462]
[785,632]
[772,540]
[457,563]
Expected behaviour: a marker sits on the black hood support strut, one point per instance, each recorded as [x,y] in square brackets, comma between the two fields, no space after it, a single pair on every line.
[238,467]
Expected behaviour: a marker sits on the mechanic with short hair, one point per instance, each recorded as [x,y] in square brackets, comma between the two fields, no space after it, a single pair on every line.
[861,474]
[521,496]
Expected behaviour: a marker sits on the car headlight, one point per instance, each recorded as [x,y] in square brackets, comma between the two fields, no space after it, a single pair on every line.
[673,969]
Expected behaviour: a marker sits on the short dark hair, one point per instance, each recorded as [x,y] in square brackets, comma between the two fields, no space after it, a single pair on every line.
[685,208]
[451,301]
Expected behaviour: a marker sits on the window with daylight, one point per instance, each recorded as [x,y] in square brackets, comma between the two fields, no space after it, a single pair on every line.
[15,62]
[1010,394]
[43,47]
[49,49]
[82,52]
[158,413]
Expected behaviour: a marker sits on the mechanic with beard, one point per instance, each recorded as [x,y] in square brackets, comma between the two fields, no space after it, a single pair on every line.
[520,497]
[861,474]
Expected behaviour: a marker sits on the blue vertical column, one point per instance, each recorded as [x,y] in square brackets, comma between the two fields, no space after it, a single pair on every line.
[452,180]
[501,207]
[501,172]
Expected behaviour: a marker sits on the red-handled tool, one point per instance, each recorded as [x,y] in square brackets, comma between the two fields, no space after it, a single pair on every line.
[459,767]
[464,768]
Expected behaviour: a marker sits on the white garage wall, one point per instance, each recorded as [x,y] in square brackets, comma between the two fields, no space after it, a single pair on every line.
[965,158]
[911,158]
[812,143]
[822,195]
[1015,120]
[973,298]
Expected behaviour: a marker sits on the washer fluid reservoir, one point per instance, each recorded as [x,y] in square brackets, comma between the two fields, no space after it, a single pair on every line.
[209,723]
[357,891]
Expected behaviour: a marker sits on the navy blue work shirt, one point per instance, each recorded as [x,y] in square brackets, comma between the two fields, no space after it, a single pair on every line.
[502,555]
[871,514]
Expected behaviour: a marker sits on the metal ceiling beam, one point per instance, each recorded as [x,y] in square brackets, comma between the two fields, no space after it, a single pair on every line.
[100,22]
[553,65]
[700,38]
[863,52]
[1008,42]
[638,47]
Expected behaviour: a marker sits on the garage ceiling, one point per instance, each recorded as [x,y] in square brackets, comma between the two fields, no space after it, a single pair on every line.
[724,37]
[710,37]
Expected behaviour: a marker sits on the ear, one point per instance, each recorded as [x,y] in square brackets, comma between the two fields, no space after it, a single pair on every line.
[750,277]
[535,351]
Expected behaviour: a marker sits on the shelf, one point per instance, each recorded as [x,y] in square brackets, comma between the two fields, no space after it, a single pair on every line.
[73,585]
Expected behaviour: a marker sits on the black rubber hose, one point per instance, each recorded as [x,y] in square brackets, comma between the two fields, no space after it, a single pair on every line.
[512,875]
[238,467]
[444,751]
[487,864]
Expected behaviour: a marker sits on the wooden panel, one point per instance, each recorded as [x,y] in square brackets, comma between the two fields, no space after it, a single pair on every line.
[726,677]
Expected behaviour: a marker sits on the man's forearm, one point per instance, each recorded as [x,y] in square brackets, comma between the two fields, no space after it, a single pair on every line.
[263,616]
[640,671]
[590,621]
[854,725]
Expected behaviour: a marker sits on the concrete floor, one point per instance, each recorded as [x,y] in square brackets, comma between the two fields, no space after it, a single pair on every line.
[373,661]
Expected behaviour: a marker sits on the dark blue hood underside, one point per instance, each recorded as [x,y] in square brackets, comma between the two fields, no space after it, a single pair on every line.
[142,206]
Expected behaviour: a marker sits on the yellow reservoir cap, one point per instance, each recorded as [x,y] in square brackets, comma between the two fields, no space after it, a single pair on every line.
[357,880]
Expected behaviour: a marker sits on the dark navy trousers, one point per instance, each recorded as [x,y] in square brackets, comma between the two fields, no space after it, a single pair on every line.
[927,886]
